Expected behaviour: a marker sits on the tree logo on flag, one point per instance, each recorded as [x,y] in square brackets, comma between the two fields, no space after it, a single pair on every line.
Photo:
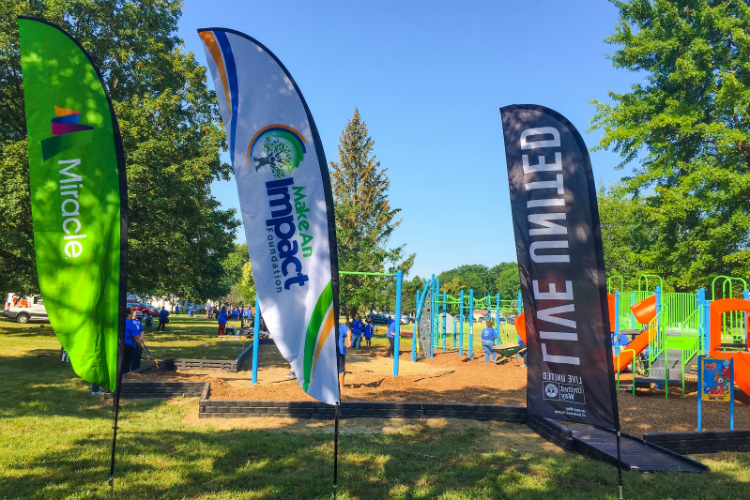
[280,147]
[66,121]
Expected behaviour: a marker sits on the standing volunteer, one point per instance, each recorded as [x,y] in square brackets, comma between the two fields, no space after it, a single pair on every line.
[488,340]
[391,334]
[222,321]
[357,326]
[138,352]
[163,318]
[345,340]
[369,329]
[133,339]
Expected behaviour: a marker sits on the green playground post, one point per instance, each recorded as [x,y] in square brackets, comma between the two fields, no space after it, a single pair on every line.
[617,321]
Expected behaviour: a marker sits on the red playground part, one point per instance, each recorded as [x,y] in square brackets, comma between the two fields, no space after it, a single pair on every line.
[521,326]
[741,359]
[611,304]
[645,310]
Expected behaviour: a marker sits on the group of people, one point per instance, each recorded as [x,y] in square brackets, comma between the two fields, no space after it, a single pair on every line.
[350,336]
[234,313]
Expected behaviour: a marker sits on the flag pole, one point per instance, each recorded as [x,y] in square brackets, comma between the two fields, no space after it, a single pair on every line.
[619,459]
[335,449]
[111,480]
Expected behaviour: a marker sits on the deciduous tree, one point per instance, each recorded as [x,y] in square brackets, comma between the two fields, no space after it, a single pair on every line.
[171,133]
[686,132]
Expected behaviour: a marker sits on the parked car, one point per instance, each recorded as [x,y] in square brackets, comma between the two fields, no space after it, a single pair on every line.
[138,308]
[153,311]
[379,319]
[141,308]
[25,309]
[405,319]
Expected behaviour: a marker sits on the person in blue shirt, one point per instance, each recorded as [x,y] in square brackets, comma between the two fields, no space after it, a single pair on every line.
[344,341]
[133,339]
[163,318]
[488,340]
[138,352]
[391,334]
[222,320]
[357,327]
[369,330]
[177,309]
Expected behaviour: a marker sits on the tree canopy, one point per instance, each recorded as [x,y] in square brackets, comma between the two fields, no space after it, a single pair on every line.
[172,136]
[685,131]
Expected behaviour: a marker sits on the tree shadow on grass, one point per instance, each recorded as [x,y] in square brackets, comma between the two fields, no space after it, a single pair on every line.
[42,386]
[421,463]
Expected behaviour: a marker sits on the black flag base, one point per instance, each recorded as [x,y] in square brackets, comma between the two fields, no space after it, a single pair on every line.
[619,464]
[335,450]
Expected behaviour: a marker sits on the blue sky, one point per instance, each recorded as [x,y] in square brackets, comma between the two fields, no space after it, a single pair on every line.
[428,78]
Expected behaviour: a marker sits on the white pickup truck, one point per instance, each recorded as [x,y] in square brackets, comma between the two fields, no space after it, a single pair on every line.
[25,309]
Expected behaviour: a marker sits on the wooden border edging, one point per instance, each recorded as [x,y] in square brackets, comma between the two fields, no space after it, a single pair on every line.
[552,431]
[162,390]
[229,365]
[701,442]
[212,408]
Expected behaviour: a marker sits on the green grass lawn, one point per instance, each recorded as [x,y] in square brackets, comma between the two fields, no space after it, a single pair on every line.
[55,440]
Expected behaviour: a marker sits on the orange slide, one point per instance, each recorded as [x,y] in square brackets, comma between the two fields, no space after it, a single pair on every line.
[520,325]
[644,311]
[741,359]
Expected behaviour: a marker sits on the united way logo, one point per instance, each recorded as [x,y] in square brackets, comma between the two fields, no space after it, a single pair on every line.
[278,147]
[550,391]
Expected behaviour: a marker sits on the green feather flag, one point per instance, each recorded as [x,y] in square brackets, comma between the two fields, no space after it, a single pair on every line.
[78,198]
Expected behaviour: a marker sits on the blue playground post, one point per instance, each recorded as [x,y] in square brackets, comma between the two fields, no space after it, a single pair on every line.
[617,322]
[700,393]
[471,322]
[497,317]
[397,339]
[256,334]
[461,319]
[436,311]
[445,319]
[432,317]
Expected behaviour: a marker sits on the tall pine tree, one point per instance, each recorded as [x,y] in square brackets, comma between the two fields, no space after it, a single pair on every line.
[365,221]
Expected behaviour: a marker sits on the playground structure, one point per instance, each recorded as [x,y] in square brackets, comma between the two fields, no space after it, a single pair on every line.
[432,315]
[667,332]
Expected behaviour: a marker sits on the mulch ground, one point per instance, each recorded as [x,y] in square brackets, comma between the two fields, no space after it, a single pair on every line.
[449,378]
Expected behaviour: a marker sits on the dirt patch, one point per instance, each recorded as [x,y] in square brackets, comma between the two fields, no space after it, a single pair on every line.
[448,378]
